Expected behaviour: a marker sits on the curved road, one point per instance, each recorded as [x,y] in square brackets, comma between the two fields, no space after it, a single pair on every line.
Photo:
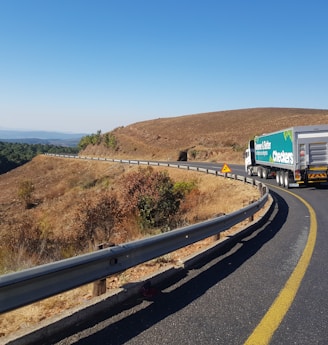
[229,298]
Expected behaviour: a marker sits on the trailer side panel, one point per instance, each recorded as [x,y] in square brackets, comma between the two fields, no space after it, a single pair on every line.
[275,149]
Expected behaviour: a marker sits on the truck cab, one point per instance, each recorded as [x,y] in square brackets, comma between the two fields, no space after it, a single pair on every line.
[249,157]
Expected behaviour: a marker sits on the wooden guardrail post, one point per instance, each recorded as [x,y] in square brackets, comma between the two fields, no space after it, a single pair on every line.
[251,218]
[99,286]
[262,189]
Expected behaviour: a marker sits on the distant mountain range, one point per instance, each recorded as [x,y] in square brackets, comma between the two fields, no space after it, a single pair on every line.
[41,137]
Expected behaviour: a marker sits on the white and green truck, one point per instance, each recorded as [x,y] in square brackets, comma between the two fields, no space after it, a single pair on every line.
[294,156]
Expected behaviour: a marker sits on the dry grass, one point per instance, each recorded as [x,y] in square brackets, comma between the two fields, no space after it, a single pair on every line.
[28,316]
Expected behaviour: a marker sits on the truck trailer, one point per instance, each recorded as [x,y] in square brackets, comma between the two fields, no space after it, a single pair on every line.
[294,156]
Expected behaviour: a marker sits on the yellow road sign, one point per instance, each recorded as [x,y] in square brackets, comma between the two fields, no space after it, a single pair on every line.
[225,169]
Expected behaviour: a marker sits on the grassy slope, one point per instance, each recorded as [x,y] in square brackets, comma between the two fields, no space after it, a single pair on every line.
[217,136]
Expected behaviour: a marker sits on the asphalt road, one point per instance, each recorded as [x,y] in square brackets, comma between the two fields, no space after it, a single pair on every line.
[307,320]
[225,298]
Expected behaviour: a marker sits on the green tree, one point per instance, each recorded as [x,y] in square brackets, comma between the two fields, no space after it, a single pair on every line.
[91,139]
[110,140]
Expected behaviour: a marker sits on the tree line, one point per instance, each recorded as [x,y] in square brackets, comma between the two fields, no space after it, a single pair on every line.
[13,155]
[107,139]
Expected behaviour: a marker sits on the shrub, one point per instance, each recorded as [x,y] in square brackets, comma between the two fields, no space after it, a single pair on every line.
[25,192]
[184,187]
[29,240]
[151,196]
[95,219]
[193,154]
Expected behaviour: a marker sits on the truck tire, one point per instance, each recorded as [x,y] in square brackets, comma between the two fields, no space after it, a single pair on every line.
[278,177]
[259,172]
[286,179]
[265,173]
[249,171]
[281,178]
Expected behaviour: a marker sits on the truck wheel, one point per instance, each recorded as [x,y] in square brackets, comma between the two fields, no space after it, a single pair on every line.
[286,179]
[259,172]
[281,178]
[278,177]
[249,171]
[265,173]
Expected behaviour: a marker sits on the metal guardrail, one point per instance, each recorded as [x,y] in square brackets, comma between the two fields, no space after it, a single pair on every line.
[34,284]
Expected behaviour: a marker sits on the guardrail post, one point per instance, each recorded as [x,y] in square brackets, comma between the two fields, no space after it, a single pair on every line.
[218,236]
[262,189]
[99,286]
[251,218]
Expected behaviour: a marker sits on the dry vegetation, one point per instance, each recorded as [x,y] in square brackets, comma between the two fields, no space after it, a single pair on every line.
[61,186]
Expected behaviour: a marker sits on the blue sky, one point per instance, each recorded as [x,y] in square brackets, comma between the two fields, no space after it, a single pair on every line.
[85,65]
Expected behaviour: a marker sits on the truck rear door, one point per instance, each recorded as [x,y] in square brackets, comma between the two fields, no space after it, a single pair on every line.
[313,155]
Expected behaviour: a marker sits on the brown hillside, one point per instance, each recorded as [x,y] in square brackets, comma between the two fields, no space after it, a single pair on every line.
[217,136]
[64,191]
